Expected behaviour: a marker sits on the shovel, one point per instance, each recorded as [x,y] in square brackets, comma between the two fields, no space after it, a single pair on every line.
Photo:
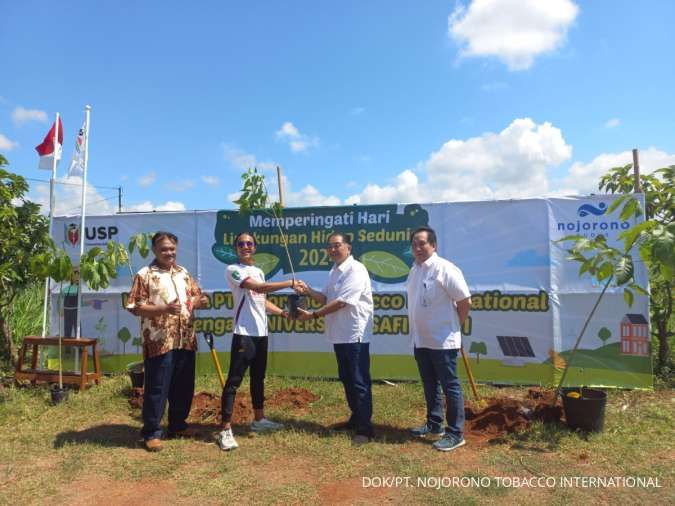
[209,340]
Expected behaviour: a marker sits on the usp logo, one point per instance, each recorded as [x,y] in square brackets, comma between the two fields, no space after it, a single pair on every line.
[72,233]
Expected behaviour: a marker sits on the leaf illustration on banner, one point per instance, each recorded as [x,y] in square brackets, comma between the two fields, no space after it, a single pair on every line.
[265,262]
[224,253]
[384,265]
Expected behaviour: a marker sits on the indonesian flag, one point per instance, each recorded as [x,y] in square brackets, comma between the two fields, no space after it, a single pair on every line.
[46,149]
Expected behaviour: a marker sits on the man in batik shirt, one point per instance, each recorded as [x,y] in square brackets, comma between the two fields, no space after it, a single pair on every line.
[165,296]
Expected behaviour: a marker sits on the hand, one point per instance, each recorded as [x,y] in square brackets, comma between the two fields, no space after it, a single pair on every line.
[304,315]
[300,287]
[200,302]
[173,307]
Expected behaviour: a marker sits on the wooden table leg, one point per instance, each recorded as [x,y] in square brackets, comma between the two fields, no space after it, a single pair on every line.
[83,368]
[97,364]
[33,360]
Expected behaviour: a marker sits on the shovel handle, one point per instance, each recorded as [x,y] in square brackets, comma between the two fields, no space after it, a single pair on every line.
[469,374]
[214,356]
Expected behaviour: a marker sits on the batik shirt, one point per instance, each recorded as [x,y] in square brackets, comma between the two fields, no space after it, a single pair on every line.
[154,286]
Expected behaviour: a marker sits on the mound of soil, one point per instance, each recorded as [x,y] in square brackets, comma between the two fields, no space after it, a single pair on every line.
[504,415]
[206,405]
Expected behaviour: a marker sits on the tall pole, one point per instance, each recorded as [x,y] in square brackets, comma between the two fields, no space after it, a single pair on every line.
[636,171]
[52,200]
[119,199]
[281,187]
[83,235]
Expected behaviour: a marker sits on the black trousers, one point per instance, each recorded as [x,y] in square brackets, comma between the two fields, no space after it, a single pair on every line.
[246,351]
[168,377]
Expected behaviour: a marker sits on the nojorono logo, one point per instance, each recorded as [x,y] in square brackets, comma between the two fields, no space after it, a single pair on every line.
[586,209]
[595,222]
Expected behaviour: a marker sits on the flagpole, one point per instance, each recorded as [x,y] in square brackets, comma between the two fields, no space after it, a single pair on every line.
[83,235]
[52,200]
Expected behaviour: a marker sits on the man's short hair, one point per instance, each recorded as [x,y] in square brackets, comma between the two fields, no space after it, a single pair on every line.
[345,237]
[163,235]
[431,235]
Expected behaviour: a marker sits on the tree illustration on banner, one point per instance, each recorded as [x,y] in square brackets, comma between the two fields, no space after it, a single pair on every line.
[478,347]
[603,334]
[124,335]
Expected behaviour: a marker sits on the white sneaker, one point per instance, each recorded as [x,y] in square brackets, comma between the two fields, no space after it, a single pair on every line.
[226,440]
[265,425]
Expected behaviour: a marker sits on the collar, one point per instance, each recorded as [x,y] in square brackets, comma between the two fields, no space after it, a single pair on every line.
[343,266]
[429,261]
[154,266]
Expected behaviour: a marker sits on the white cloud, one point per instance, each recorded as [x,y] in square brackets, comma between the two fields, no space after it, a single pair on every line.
[242,160]
[510,164]
[584,177]
[68,197]
[180,186]
[356,111]
[211,180]
[515,31]
[6,144]
[614,122]
[147,206]
[21,116]
[148,179]
[297,142]
[310,196]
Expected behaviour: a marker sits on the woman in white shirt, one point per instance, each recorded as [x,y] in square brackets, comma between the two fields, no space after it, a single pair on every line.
[249,341]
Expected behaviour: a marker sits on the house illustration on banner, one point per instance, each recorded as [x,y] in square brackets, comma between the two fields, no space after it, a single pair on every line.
[634,335]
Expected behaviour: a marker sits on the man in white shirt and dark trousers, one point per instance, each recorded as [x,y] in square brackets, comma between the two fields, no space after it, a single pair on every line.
[348,309]
[438,303]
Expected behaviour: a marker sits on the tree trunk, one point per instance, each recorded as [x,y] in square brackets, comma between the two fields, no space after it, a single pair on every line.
[7,342]
[664,347]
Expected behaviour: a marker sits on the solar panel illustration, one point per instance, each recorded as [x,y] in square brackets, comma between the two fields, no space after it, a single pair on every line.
[515,346]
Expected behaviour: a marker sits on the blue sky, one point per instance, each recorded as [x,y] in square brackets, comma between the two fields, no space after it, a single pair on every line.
[358,101]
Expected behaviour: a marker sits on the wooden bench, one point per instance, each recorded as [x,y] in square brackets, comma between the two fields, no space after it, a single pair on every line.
[81,378]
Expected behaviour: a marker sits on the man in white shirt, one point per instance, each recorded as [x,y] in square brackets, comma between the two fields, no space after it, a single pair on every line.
[438,303]
[347,302]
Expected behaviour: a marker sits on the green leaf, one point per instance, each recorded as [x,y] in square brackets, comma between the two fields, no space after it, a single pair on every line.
[632,208]
[624,270]
[628,297]
[384,265]
[266,262]
[614,205]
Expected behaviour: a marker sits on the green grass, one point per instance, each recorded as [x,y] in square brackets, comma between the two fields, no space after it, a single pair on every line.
[86,450]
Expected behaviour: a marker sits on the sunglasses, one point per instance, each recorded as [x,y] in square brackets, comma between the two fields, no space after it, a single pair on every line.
[245,244]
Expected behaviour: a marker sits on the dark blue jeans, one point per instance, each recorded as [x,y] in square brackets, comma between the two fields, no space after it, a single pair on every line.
[170,376]
[438,370]
[353,360]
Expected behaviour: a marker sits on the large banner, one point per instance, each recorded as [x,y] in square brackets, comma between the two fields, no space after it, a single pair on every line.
[528,303]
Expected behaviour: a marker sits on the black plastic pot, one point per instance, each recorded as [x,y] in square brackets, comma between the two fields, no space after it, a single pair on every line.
[58,394]
[586,412]
[295,302]
[136,374]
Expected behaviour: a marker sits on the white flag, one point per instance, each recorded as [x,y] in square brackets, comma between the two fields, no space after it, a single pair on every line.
[77,161]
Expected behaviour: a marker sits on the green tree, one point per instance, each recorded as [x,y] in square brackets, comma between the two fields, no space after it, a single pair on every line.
[25,234]
[604,333]
[478,347]
[654,241]
[124,335]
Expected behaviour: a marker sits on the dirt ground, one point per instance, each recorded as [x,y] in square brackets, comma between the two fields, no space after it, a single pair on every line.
[486,421]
